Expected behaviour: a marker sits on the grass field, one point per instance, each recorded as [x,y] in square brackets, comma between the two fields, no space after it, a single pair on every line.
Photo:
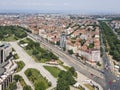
[40,82]
[53,70]
[10,38]
[20,64]
[38,53]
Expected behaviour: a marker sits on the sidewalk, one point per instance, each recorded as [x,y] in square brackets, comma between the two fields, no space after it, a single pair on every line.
[84,80]
[113,69]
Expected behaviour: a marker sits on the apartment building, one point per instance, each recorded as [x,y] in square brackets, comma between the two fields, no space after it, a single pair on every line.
[7,65]
[5,52]
[63,40]
[92,56]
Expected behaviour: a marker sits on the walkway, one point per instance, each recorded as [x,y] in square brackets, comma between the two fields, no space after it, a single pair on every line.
[30,63]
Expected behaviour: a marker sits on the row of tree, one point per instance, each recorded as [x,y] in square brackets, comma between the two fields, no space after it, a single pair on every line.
[112,41]
[39,52]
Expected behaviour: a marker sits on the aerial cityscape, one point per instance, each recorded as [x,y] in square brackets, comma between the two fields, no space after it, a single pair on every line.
[59,45]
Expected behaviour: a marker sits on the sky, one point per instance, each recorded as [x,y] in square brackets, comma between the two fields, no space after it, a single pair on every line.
[60,5]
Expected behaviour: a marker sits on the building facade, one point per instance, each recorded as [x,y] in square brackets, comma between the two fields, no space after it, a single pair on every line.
[92,56]
[5,52]
[63,40]
[7,65]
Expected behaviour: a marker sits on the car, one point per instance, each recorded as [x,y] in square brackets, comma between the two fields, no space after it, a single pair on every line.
[102,71]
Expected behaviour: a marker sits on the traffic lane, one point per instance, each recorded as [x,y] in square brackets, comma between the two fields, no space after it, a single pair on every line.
[83,71]
[100,81]
[74,61]
[111,81]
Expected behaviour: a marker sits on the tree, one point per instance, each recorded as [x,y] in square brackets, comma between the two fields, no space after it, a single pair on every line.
[35,51]
[98,63]
[73,41]
[29,73]
[40,86]
[72,70]
[58,43]
[91,45]
[37,44]
[16,78]
[27,87]
[62,84]
[53,56]
[12,86]
[69,78]
[82,42]
[61,74]
[111,41]
[70,51]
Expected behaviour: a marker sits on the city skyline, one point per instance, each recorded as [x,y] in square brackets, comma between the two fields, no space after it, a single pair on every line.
[53,6]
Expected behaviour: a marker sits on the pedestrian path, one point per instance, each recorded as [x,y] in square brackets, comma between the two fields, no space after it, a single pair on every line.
[30,63]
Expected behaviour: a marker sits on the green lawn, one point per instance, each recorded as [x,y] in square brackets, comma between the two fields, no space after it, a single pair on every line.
[10,38]
[39,54]
[34,57]
[53,70]
[40,82]
[12,33]
[20,64]
[89,87]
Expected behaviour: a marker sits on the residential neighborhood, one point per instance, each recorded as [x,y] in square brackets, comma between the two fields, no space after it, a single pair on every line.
[59,45]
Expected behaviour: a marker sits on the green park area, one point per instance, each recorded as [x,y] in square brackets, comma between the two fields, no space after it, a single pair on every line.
[20,64]
[53,70]
[11,33]
[65,79]
[38,53]
[12,86]
[18,78]
[40,82]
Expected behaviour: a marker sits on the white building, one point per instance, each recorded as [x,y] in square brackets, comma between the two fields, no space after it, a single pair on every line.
[42,33]
[92,56]
[95,56]
[72,47]
[86,55]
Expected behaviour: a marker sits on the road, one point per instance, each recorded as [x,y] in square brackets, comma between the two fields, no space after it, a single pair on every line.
[30,63]
[80,67]
[109,76]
